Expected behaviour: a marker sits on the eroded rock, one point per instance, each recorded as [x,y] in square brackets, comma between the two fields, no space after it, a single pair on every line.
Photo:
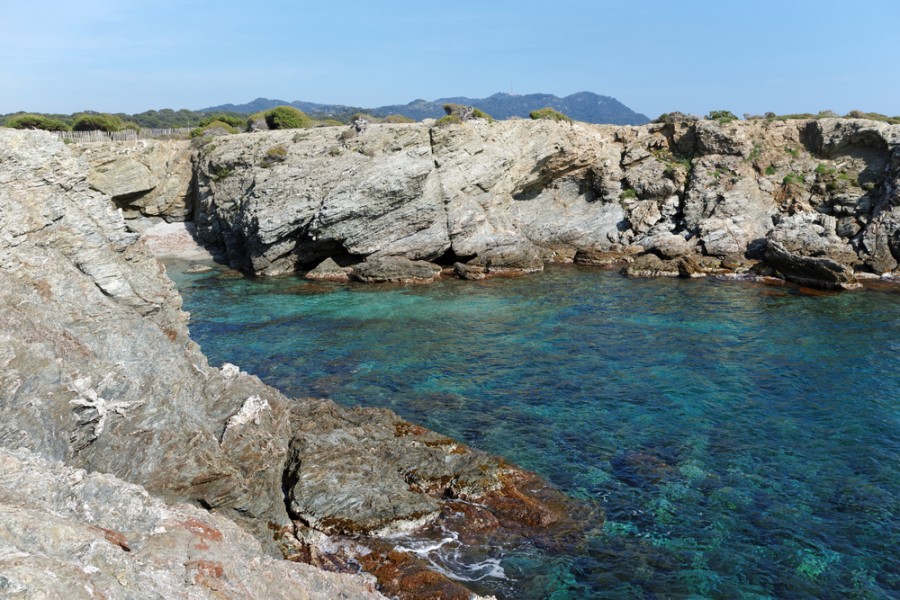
[478,189]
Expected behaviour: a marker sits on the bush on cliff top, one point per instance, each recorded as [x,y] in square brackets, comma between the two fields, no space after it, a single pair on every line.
[858,114]
[213,128]
[464,113]
[29,121]
[398,119]
[287,117]
[101,122]
[722,116]
[232,120]
[548,114]
[448,120]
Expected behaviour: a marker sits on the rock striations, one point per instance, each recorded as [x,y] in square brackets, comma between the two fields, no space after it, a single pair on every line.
[129,463]
[98,376]
[816,201]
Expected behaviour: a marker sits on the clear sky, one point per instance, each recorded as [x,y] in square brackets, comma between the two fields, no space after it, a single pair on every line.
[655,56]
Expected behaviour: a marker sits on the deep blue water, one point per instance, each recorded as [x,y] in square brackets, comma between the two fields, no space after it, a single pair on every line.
[741,438]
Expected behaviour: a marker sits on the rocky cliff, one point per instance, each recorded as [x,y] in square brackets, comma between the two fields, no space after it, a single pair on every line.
[98,376]
[114,427]
[814,201]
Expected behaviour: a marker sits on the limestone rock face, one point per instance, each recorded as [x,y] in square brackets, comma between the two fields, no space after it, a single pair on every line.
[97,371]
[66,533]
[473,193]
[96,366]
[150,178]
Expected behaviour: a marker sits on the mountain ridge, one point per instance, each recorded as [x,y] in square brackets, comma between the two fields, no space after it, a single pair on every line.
[581,106]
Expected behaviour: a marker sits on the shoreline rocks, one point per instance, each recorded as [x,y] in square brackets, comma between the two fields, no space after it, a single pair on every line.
[506,197]
[97,371]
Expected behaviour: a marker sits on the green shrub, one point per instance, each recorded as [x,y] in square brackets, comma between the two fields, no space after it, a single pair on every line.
[398,119]
[770,170]
[276,153]
[858,114]
[29,121]
[795,117]
[273,155]
[220,173]
[793,179]
[448,120]
[825,170]
[232,120]
[627,194]
[453,109]
[99,122]
[721,116]
[213,128]
[465,112]
[548,114]
[287,117]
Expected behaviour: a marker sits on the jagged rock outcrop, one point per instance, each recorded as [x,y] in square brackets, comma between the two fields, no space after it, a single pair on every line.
[97,366]
[97,371]
[146,178]
[479,193]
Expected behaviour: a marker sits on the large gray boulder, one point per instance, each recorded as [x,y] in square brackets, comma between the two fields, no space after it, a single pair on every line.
[68,533]
[395,269]
[820,272]
[146,178]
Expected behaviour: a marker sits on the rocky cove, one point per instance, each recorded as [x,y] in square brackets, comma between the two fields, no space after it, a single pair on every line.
[811,201]
[105,395]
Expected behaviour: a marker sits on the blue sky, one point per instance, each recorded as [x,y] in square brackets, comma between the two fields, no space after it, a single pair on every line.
[130,56]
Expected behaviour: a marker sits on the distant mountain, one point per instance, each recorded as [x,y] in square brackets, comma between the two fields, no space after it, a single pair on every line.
[583,106]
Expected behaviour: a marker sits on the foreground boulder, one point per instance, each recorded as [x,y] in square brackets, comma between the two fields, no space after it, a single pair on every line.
[67,533]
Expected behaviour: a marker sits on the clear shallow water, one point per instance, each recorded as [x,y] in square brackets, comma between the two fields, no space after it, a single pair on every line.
[743,439]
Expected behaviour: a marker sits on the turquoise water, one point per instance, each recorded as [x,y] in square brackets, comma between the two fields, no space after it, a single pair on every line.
[741,438]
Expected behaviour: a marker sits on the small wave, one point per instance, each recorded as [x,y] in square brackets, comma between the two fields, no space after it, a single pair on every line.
[448,557]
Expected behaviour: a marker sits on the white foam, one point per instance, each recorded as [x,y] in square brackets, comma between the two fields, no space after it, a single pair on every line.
[446,556]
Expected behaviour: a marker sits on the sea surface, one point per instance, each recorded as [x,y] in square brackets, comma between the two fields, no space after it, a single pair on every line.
[743,439]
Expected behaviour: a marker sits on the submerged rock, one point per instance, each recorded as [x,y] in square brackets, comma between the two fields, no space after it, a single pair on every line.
[395,269]
[821,272]
[328,270]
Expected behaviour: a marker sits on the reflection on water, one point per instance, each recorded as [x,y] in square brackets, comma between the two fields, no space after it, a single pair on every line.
[743,439]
